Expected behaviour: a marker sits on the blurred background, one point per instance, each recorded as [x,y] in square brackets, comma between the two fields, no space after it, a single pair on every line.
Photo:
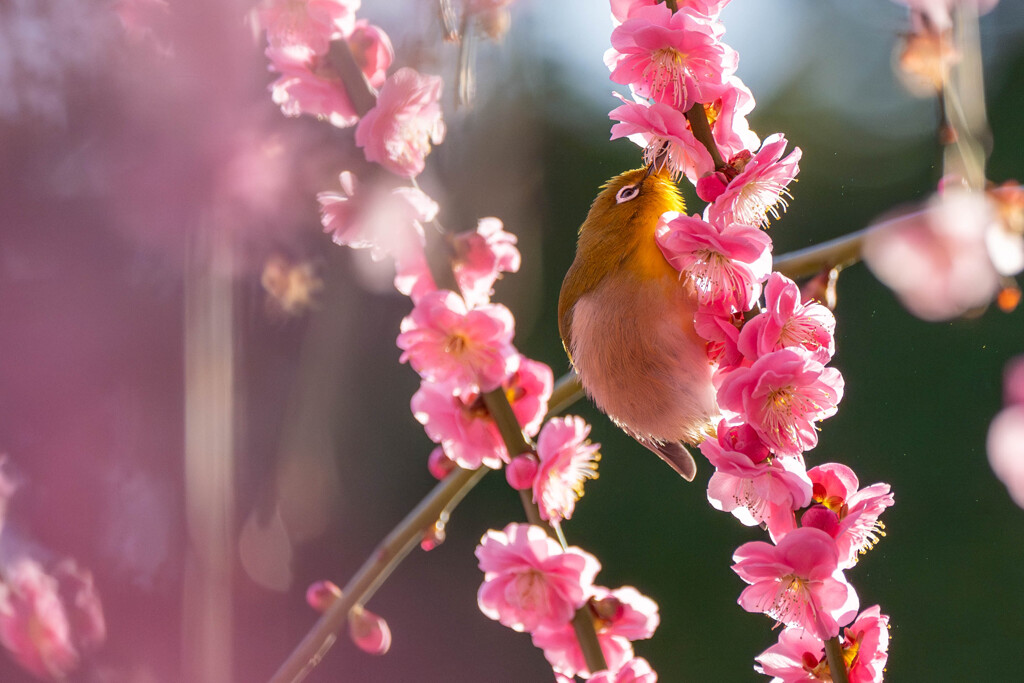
[208,451]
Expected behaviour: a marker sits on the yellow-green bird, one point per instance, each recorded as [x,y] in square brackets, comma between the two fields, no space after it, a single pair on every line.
[626,320]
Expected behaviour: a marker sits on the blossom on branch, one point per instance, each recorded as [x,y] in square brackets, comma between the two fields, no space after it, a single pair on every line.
[847,514]
[636,670]
[530,582]
[788,323]
[760,188]
[797,582]
[567,460]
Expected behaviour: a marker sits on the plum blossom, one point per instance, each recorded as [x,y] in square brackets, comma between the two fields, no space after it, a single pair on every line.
[797,582]
[567,460]
[372,50]
[439,464]
[747,482]
[799,656]
[530,582]
[388,221]
[398,132]
[306,86]
[48,621]
[307,27]
[469,349]
[722,334]
[521,471]
[781,396]
[673,58]
[849,515]
[947,259]
[727,264]
[662,129]
[760,188]
[636,670]
[1005,443]
[939,13]
[786,322]
[727,116]
[481,256]
[620,617]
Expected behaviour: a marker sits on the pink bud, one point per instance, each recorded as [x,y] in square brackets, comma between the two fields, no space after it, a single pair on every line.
[439,464]
[322,594]
[711,186]
[521,472]
[820,517]
[368,631]
[434,536]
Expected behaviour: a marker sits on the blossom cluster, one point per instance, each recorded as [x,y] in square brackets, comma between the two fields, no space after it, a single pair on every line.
[770,361]
[534,585]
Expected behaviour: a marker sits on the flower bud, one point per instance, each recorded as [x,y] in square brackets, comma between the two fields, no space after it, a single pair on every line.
[521,472]
[322,594]
[439,464]
[368,631]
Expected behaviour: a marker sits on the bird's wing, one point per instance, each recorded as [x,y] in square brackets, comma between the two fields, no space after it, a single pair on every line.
[672,452]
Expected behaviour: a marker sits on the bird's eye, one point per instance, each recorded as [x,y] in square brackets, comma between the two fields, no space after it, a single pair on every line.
[627,193]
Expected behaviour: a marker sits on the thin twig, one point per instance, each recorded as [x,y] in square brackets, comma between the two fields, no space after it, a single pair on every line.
[842,251]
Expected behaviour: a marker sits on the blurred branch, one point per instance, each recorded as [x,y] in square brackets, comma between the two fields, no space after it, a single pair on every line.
[840,252]
[388,554]
[963,95]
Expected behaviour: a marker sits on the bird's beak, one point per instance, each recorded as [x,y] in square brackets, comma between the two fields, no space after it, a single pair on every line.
[659,161]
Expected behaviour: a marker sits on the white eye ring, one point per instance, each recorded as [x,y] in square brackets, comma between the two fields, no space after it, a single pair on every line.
[627,193]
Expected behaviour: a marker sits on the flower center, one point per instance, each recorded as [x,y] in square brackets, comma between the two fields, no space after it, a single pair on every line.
[666,70]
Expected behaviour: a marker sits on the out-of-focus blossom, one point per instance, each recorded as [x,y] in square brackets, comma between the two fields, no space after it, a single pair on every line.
[388,221]
[781,396]
[727,264]
[797,582]
[290,287]
[306,27]
[371,48]
[799,656]
[139,17]
[788,323]
[481,256]
[760,188]
[941,262]
[939,13]
[369,631]
[47,622]
[924,60]
[620,617]
[528,390]
[529,580]
[662,130]
[398,132]
[636,670]
[749,484]
[308,86]
[624,9]
[468,349]
[671,57]
[854,512]
[521,472]
[1005,443]
[567,460]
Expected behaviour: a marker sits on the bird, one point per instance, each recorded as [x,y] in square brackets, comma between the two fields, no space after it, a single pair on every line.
[626,319]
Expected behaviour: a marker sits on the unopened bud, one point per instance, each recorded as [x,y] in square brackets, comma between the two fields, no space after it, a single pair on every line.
[439,464]
[435,535]
[521,472]
[711,186]
[820,517]
[368,631]
[322,594]
[822,288]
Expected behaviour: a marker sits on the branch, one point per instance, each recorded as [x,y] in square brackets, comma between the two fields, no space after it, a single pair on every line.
[840,252]
[386,556]
[836,663]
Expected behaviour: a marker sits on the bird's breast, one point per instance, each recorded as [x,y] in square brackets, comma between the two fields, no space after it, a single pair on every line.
[638,356]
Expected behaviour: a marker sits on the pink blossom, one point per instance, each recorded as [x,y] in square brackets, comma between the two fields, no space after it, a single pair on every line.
[636,670]
[1005,447]
[726,264]
[34,625]
[470,349]
[307,24]
[722,333]
[788,323]
[940,12]
[1013,381]
[938,261]
[760,188]
[673,58]
[620,617]
[308,86]
[856,511]
[372,50]
[464,428]
[782,395]
[567,460]
[388,221]
[521,472]
[799,656]
[322,594]
[660,126]
[797,582]
[368,631]
[747,482]
[398,132]
[529,581]
[481,256]
[461,425]
[439,464]
[728,118]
